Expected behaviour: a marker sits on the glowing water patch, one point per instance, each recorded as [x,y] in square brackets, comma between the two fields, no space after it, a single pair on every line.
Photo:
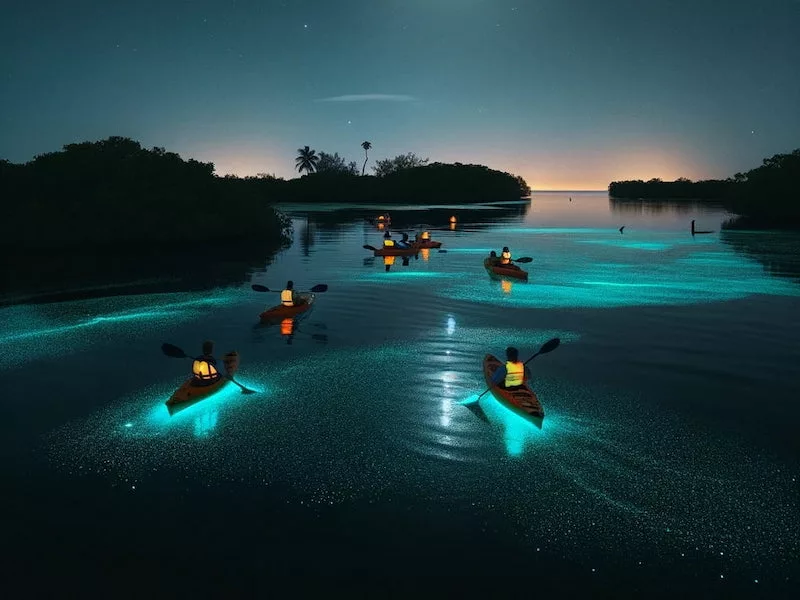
[631,245]
[611,276]
[35,331]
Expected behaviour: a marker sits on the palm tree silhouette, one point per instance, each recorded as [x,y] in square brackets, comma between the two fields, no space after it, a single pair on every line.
[366,146]
[306,160]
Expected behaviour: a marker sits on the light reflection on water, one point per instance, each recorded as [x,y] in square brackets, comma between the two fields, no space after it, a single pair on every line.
[381,406]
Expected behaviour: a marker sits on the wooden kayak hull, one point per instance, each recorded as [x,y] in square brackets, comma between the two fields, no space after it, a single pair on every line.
[524,401]
[279,312]
[190,393]
[512,271]
[397,251]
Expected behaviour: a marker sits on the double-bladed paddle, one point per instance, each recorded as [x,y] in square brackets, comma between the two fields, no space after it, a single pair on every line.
[411,247]
[317,289]
[548,346]
[175,352]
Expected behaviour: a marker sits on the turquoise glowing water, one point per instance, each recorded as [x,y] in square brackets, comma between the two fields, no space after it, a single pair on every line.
[668,445]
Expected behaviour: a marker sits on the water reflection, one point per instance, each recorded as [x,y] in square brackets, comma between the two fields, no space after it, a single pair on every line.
[778,251]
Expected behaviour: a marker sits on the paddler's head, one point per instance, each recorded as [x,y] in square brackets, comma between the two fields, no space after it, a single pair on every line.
[290,285]
[492,254]
[208,347]
[505,248]
[512,354]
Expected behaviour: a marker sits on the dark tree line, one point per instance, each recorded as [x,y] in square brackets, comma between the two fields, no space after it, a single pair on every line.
[114,192]
[768,194]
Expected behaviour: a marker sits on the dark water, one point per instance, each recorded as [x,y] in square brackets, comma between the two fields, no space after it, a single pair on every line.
[668,459]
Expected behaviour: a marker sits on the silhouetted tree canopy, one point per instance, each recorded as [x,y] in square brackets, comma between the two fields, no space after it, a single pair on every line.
[114,192]
[769,193]
[388,166]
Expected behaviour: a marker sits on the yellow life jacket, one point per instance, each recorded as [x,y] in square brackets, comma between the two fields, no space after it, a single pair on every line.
[204,370]
[515,373]
[287,298]
[425,235]
[388,243]
[506,258]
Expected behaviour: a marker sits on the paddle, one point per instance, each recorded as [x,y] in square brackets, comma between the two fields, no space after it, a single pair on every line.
[175,352]
[524,259]
[317,289]
[548,346]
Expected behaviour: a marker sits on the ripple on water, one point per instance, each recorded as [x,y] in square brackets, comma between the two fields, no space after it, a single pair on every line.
[606,472]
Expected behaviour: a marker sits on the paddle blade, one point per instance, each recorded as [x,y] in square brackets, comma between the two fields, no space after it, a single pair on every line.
[442,251]
[524,259]
[259,288]
[173,351]
[549,346]
[319,288]
[368,247]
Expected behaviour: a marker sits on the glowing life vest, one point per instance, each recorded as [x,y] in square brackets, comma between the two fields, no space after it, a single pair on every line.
[515,373]
[287,298]
[425,236]
[506,258]
[204,370]
[388,243]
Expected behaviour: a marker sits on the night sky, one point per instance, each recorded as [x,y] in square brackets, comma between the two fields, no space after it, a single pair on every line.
[570,94]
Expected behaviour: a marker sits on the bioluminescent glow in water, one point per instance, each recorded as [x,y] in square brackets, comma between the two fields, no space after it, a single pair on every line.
[598,475]
[31,331]
[666,272]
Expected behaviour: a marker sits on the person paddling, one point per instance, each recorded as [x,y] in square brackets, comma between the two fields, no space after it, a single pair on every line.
[204,367]
[505,257]
[404,243]
[288,295]
[512,375]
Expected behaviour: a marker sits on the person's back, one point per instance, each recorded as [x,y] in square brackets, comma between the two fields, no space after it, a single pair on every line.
[288,296]
[511,375]
[204,367]
[505,257]
[403,243]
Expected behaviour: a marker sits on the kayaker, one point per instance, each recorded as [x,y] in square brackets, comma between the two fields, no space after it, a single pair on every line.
[493,256]
[512,375]
[404,243]
[288,296]
[204,368]
[425,236]
[505,257]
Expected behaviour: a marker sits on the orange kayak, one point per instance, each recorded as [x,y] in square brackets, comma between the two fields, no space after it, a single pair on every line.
[395,251]
[523,401]
[190,392]
[495,268]
[281,312]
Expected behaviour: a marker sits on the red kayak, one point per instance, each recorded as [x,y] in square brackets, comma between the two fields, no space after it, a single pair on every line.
[494,267]
[523,401]
[395,251]
[279,312]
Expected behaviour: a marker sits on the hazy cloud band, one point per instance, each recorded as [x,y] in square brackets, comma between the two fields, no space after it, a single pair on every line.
[369,97]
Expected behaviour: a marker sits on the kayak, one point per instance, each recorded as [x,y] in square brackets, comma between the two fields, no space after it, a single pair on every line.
[523,401]
[190,392]
[426,244]
[494,267]
[281,312]
[395,251]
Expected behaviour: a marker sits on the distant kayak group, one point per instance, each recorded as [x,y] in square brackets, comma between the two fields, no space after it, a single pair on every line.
[508,381]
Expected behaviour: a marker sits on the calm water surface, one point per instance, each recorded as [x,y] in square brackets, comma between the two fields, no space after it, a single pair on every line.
[668,458]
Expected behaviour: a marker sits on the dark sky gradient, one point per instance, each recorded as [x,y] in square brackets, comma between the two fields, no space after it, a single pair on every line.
[571,94]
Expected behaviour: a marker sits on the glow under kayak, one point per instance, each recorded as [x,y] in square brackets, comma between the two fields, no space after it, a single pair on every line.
[282,312]
[523,401]
[190,392]
[495,268]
